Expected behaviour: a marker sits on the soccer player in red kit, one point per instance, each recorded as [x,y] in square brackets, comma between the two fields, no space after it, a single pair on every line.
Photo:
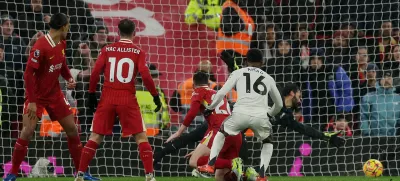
[229,158]
[46,63]
[120,62]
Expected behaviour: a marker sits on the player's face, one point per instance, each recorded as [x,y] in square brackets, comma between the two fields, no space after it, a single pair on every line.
[7,28]
[65,31]
[296,101]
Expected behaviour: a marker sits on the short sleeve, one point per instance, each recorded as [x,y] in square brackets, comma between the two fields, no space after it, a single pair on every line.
[35,57]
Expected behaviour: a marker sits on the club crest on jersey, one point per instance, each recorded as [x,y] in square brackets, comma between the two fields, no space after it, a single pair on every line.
[36,53]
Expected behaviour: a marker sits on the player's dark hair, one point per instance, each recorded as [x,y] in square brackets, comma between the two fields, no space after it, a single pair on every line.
[289,88]
[254,55]
[201,78]
[58,20]
[126,27]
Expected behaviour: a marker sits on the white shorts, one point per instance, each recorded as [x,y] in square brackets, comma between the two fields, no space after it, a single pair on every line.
[238,122]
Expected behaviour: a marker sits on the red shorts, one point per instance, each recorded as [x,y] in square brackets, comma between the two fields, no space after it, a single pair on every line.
[231,147]
[129,116]
[58,108]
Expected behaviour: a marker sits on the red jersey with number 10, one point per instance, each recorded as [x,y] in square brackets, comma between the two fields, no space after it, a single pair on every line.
[201,97]
[121,62]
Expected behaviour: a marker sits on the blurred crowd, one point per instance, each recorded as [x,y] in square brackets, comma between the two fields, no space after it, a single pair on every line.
[343,55]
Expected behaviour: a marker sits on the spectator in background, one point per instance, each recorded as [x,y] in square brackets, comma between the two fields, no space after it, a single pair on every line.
[284,68]
[238,29]
[384,42]
[155,121]
[303,41]
[357,72]
[207,12]
[372,77]
[327,91]
[14,47]
[87,52]
[338,51]
[270,42]
[380,110]
[394,65]
[341,124]
[32,21]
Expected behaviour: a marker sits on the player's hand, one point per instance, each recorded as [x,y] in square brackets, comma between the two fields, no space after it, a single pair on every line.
[157,101]
[84,49]
[71,84]
[207,112]
[37,36]
[92,101]
[172,137]
[229,59]
[32,111]
[334,139]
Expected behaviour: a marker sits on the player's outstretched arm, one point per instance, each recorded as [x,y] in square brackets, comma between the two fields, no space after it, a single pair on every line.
[276,97]
[287,119]
[192,113]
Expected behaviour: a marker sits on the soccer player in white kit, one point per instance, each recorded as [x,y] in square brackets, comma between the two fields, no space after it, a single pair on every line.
[251,110]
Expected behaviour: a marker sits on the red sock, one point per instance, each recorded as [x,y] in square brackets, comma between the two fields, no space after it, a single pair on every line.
[75,149]
[146,155]
[88,152]
[20,150]
[223,163]
[202,160]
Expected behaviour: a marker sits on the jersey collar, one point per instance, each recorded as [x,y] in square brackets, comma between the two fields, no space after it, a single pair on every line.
[50,40]
[125,41]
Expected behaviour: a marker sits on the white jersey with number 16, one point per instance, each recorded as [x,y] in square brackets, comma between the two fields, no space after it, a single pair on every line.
[253,86]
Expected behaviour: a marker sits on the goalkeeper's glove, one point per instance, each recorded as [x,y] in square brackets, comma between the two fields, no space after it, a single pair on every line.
[157,102]
[332,138]
[92,101]
[229,60]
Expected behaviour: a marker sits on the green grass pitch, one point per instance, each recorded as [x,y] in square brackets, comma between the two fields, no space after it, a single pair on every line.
[349,178]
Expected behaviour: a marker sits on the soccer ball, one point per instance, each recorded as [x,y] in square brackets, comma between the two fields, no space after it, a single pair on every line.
[373,168]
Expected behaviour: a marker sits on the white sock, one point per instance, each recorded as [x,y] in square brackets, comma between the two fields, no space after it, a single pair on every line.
[266,154]
[219,141]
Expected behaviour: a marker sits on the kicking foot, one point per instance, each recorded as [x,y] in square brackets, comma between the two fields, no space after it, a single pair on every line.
[10,177]
[206,169]
[262,179]
[251,174]
[150,177]
[237,168]
[196,173]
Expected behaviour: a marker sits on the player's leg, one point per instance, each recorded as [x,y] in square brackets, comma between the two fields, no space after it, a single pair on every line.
[102,124]
[21,146]
[182,141]
[60,110]
[262,129]
[231,126]
[133,124]
[200,151]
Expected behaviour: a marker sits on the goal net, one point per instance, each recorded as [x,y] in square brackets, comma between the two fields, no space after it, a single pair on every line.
[344,55]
